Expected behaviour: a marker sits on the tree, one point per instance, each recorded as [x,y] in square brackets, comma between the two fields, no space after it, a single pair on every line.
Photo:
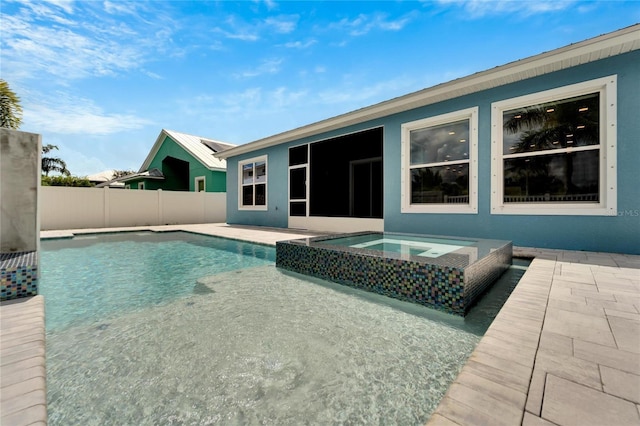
[10,108]
[53,164]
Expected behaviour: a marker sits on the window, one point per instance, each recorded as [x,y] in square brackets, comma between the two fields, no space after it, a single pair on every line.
[439,164]
[141,185]
[200,184]
[298,171]
[553,153]
[253,184]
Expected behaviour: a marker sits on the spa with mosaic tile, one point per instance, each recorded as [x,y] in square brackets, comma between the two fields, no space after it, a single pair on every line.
[442,273]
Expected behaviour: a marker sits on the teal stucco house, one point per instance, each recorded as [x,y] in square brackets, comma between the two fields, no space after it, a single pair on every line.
[181,162]
[543,152]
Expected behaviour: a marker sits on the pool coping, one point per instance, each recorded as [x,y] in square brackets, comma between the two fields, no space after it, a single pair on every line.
[23,391]
[564,348]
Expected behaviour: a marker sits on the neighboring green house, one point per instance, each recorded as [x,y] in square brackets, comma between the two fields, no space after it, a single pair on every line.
[181,162]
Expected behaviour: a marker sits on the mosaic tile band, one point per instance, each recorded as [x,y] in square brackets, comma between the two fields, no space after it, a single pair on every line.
[18,275]
[450,289]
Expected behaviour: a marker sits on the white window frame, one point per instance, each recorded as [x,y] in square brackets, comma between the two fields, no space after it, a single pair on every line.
[607,204]
[202,179]
[141,186]
[307,185]
[259,159]
[470,114]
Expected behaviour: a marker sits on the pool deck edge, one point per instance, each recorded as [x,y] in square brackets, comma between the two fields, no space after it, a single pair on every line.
[23,395]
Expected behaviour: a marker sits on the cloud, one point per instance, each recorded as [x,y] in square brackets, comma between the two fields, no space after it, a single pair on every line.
[120,7]
[66,5]
[238,30]
[64,114]
[152,75]
[270,66]
[364,24]
[351,94]
[282,24]
[282,97]
[69,43]
[480,8]
[300,45]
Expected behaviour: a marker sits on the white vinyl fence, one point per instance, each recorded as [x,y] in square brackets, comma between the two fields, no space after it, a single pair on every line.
[72,208]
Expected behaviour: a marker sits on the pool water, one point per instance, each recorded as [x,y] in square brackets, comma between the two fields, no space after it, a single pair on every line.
[404,244]
[94,276]
[239,341]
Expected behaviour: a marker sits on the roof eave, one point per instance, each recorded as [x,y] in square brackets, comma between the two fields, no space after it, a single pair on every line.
[601,47]
[153,151]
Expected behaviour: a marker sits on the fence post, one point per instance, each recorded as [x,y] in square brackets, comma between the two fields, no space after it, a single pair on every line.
[160,208]
[203,218]
[106,207]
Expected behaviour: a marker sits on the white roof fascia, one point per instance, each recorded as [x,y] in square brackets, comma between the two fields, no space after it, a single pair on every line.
[601,47]
[192,145]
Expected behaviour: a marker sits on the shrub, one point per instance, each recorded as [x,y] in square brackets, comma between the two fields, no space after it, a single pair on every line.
[65,181]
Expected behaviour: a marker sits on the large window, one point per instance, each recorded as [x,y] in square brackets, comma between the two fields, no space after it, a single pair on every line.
[253,184]
[439,164]
[554,152]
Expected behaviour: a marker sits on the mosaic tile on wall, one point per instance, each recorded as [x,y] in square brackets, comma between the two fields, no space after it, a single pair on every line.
[449,288]
[18,275]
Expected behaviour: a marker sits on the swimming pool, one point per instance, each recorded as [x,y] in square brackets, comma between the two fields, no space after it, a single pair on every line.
[246,344]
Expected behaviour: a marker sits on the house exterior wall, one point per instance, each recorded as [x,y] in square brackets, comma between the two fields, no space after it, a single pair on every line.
[215,180]
[614,233]
[276,214]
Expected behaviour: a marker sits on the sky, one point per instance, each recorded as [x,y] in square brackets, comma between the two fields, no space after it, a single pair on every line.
[101,79]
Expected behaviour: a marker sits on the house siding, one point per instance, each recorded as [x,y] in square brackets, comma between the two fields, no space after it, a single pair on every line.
[619,233]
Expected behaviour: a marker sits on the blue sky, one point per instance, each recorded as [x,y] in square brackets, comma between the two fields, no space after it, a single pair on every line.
[100,79]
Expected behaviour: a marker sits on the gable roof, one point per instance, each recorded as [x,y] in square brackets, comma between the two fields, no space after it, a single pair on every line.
[601,47]
[200,148]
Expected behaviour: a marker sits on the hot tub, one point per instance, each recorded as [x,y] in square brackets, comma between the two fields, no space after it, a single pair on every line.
[445,273]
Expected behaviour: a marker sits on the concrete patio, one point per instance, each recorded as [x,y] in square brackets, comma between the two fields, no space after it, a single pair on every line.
[564,349]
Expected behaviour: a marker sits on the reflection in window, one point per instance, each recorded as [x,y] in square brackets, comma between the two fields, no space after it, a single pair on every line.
[254,183]
[247,173]
[441,184]
[561,177]
[439,164]
[261,172]
[551,151]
